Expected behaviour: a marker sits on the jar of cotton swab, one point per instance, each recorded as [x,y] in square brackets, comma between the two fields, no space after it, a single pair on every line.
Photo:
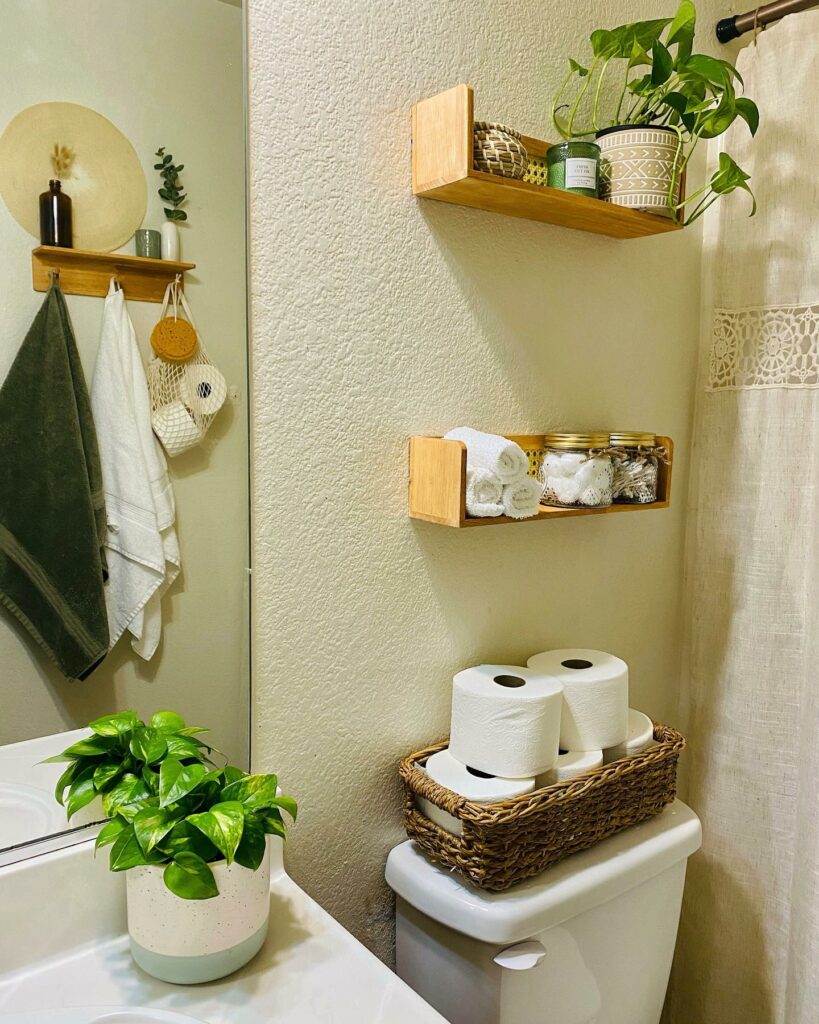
[636,467]
[577,470]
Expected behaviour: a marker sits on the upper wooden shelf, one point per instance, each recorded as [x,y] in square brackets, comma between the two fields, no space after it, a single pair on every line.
[437,483]
[443,169]
[90,273]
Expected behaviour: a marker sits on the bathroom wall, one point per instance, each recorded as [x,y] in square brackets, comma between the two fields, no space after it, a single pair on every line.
[166,74]
[376,316]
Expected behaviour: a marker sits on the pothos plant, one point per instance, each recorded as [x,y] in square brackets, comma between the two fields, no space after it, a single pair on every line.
[167,801]
[171,192]
[646,73]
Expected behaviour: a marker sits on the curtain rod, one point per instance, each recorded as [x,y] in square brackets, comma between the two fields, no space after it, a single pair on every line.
[739,24]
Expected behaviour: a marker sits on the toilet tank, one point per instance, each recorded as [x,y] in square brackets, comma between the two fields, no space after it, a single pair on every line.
[590,941]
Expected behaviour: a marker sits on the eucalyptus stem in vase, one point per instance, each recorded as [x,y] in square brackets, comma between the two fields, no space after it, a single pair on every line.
[173,198]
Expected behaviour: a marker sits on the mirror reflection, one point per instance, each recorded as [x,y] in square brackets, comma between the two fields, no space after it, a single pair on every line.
[123,385]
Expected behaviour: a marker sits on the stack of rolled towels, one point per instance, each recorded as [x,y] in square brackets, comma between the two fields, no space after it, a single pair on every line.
[497,480]
[516,729]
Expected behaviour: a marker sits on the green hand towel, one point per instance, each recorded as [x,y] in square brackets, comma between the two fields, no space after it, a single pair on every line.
[52,508]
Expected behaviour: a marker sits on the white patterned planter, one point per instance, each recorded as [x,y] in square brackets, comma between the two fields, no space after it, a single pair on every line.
[191,941]
[636,167]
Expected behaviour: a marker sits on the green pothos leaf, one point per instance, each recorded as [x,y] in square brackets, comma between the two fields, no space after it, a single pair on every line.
[223,824]
[190,878]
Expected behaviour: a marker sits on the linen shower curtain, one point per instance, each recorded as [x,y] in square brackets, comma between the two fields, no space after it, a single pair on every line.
[748,951]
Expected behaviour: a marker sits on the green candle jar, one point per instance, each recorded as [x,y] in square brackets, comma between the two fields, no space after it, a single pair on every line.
[574,167]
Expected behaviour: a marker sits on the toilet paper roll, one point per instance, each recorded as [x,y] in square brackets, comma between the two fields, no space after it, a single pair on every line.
[640,738]
[175,428]
[447,771]
[595,696]
[506,720]
[570,764]
[203,389]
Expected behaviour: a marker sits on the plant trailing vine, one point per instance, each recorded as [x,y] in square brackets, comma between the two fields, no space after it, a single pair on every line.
[171,191]
[167,801]
[692,94]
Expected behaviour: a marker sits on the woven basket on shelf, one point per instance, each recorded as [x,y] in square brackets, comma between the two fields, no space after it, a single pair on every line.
[497,149]
[505,843]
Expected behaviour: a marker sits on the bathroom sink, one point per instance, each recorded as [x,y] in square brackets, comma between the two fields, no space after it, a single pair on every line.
[25,813]
[99,1015]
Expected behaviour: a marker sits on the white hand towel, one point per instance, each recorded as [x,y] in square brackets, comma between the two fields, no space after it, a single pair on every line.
[483,494]
[141,545]
[521,499]
[499,455]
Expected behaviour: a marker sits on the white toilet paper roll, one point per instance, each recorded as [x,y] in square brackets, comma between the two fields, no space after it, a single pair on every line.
[595,696]
[506,720]
[175,428]
[570,764]
[447,771]
[203,388]
[640,738]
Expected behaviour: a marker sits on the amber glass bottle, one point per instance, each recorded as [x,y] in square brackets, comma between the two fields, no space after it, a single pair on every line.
[55,216]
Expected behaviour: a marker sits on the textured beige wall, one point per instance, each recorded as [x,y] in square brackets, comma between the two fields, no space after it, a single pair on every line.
[166,74]
[377,316]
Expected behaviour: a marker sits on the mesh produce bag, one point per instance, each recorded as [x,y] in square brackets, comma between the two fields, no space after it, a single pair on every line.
[186,389]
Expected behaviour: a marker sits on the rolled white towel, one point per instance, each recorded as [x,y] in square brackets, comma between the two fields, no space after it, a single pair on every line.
[499,455]
[521,499]
[483,493]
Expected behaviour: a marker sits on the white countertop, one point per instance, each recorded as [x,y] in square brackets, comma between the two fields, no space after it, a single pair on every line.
[310,971]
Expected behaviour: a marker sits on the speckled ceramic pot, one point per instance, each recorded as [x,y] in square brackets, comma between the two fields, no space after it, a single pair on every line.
[187,942]
[637,166]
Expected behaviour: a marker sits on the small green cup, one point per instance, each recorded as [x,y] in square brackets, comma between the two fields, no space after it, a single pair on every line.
[574,167]
[148,242]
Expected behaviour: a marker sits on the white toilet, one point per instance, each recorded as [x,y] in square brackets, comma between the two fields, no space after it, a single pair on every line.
[590,941]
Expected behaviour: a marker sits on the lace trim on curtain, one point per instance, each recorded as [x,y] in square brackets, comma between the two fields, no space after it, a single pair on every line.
[765,347]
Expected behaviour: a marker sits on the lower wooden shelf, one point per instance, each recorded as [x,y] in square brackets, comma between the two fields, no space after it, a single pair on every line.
[437,484]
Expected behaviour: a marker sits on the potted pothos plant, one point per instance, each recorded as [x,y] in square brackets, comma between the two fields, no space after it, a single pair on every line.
[649,100]
[192,836]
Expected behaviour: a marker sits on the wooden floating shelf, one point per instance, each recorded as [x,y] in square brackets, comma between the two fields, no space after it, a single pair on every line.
[443,169]
[89,273]
[437,484]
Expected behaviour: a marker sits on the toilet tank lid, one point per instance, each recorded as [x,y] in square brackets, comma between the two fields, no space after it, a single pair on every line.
[571,887]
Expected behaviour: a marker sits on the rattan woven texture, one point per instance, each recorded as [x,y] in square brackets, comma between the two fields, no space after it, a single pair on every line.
[537,171]
[508,842]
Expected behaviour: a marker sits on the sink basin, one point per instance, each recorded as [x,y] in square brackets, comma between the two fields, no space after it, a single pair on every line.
[26,812]
[100,1015]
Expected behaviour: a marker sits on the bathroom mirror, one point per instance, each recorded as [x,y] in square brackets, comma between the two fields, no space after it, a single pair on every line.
[110,84]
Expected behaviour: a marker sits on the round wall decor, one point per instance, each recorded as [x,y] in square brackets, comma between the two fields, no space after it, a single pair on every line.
[105,179]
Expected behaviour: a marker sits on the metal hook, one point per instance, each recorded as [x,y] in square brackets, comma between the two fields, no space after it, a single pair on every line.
[54,277]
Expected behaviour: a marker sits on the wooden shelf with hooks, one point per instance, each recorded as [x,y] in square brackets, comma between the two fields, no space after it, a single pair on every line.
[443,169]
[437,484]
[89,273]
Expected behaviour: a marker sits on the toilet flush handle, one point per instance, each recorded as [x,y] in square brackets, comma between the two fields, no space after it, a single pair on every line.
[522,956]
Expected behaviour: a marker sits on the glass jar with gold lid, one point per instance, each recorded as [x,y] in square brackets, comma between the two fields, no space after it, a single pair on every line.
[577,470]
[636,467]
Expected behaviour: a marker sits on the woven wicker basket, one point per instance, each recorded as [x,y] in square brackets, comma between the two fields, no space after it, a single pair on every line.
[497,149]
[505,843]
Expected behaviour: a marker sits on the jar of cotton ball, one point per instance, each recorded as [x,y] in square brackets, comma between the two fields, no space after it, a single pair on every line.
[577,470]
[636,467]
